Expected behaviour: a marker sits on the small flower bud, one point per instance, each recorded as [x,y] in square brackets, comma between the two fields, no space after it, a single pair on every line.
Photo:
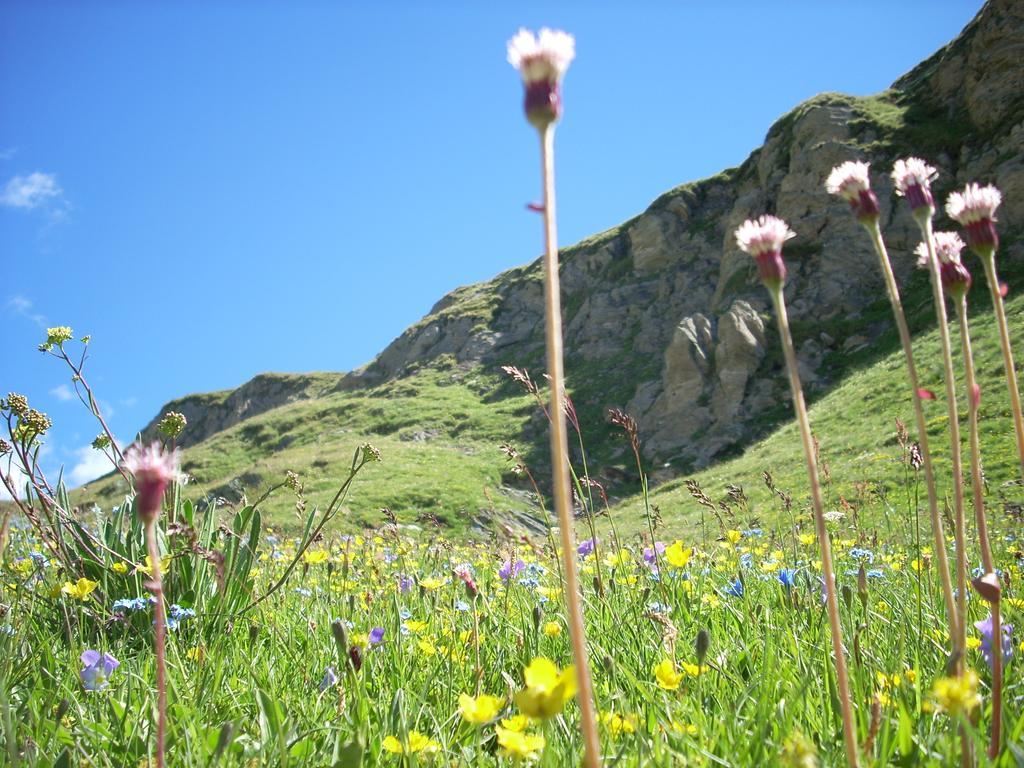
[701,645]
[847,595]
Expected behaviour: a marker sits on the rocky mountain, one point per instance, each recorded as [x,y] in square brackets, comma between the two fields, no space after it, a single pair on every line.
[665,317]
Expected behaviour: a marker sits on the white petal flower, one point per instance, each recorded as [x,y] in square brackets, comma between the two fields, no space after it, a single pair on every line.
[975,203]
[765,234]
[544,57]
[848,180]
[913,172]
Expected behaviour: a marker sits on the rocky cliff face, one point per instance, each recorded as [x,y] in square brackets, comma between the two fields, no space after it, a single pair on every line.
[664,315]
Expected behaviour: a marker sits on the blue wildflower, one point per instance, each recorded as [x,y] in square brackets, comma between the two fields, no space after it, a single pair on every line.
[97,670]
[461,605]
[304,591]
[862,554]
[985,627]
[659,608]
[788,577]
[735,589]
[747,560]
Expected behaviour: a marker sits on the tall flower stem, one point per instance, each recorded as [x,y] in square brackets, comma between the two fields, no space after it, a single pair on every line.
[849,727]
[987,561]
[874,230]
[560,452]
[988,260]
[155,585]
[939,299]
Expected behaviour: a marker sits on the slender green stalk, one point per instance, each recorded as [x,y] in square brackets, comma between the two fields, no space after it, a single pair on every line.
[960,642]
[828,572]
[988,260]
[560,453]
[875,231]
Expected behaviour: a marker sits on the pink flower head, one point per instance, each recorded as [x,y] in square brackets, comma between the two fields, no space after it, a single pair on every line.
[153,468]
[542,61]
[913,178]
[975,209]
[762,238]
[955,277]
[851,182]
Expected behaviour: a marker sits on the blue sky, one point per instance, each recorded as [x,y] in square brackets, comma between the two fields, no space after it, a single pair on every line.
[212,190]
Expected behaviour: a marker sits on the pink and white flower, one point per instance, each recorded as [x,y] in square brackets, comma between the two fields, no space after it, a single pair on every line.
[913,178]
[153,469]
[975,209]
[851,182]
[542,61]
[763,238]
[948,245]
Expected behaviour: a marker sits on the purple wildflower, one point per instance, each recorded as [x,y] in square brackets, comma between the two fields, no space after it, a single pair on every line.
[510,568]
[98,667]
[985,627]
[586,547]
[376,636]
[651,554]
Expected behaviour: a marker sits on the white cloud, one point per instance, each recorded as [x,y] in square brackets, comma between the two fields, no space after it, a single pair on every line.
[19,305]
[30,191]
[91,464]
[63,393]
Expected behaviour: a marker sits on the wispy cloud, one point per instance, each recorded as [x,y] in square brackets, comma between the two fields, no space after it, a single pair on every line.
[30,191]
[91,465]
[63,393]
[19,305]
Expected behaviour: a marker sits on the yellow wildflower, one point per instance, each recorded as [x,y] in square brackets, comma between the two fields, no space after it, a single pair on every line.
[165,565]
[677,556]
[119,568]
[666,675]
[552,629]
[516,723]
[417,743]
[315,557]
[426,647]
[694,670]
[415,626]
[431,583]
[957,695]
[547,689]
[807,539]
[480,710]
[519,745]
[617,725]
[686,729]
[733,537]
[81,589]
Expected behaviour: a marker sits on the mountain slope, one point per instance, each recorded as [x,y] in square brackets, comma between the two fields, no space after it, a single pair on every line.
[663,315]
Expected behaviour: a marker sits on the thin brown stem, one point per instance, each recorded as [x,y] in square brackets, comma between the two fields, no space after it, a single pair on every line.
[989,262]
[155,585]
[560,453]
[922,428]
[842,681]
[987,560]
[939,300]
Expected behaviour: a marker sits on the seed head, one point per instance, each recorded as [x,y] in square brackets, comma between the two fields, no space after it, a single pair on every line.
[542,61]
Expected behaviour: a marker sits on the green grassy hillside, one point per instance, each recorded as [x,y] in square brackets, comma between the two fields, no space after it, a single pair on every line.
[855,425]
